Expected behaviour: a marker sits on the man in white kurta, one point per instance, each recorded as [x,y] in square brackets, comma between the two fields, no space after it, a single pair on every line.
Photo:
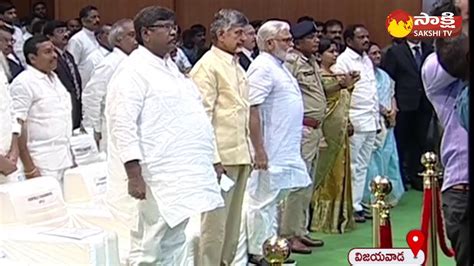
[276,121]
[43,105]
[122,39]
[83,43]
[163,137]
[364,110]
[97,56]
[9,131]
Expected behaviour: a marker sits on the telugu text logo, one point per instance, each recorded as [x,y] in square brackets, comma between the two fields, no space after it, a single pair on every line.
[401,24]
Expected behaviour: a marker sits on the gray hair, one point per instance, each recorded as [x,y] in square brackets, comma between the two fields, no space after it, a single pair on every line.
[117,31]
[102,29]
[148,16]
[269,30]
[226,19]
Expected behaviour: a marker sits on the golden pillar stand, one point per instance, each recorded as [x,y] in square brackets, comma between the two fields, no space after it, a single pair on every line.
[431,178]
[380,187]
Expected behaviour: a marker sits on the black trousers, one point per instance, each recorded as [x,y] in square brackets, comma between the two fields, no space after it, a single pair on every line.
[457,220]
[411,133]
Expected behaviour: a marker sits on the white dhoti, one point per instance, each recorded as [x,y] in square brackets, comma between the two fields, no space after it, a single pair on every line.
[153,241]
[262,211]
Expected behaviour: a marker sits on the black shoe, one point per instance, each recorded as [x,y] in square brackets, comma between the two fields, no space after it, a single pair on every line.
[359,217]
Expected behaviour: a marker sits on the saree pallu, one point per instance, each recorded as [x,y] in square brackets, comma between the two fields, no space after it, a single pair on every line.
[332,199]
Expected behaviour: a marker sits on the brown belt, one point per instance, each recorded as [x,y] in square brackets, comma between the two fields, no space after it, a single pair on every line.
[462,188]
[310,122]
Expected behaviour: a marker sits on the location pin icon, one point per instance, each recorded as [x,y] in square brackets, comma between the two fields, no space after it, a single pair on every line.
[416,240]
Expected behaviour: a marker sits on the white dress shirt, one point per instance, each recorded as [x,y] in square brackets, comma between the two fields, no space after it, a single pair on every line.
[44,104]
[276,91]
[154,114]
[18,45]
[92,61]
[364,110]
[7,122]
[81,45]
[93,95]
[247,53]
[182,61]
[27,35]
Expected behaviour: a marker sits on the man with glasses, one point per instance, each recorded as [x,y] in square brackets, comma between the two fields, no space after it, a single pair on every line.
[83,43]
[224,88]
[276,127]
[302,64]
[9,16]
[164,139]
[6,47]
[67,70]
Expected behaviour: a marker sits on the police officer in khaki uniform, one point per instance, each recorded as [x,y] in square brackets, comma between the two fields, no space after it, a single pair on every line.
[302,63]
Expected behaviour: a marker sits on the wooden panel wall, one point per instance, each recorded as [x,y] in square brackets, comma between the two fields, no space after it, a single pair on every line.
[24,7]
[110,10]
[372,13]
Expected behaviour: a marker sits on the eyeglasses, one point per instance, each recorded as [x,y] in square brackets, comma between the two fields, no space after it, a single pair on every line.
[287,40]
[168,26]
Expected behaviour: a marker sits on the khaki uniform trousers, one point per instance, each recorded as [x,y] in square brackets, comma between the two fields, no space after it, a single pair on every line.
[220,228]
[294,210]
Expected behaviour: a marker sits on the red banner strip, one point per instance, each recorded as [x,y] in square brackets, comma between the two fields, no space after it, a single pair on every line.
[426,218]
[385,233]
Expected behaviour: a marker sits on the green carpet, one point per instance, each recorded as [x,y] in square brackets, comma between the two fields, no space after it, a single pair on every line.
[405,217]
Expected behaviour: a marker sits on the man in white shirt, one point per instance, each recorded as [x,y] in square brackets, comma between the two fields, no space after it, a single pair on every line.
[122,40]
[42,106]
[94,58]
[364,110]
[276,128]
[9,131]
[9,16]
[83,43]
[162,136]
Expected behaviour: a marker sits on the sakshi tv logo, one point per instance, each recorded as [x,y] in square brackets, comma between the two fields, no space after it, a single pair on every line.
[401,24]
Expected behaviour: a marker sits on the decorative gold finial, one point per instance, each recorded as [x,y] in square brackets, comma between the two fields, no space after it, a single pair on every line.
[276,250]
[380,186]
[429,160]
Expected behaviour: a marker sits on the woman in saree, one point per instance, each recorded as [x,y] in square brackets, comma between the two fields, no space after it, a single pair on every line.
[384,161]
[332,200]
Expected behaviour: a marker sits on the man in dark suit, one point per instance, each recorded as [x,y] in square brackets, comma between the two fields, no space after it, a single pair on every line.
[66,70]
[245,56]
[6,47]
[403,63]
